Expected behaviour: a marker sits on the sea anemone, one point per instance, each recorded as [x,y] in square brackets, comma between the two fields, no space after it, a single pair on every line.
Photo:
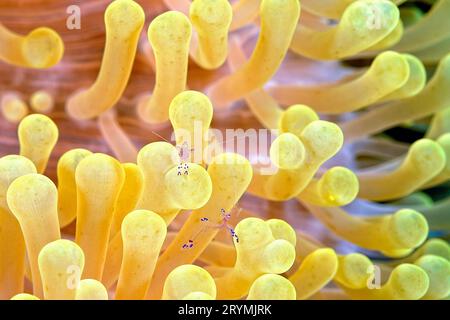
[215,149]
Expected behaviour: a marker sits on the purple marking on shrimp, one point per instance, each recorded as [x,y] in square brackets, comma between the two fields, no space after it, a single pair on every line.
[188,245]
